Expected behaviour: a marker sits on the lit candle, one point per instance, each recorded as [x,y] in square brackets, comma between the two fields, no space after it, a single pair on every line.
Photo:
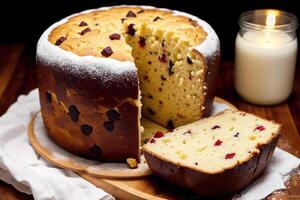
[265,56]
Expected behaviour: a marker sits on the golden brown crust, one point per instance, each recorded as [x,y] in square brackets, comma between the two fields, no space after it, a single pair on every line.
[219,184]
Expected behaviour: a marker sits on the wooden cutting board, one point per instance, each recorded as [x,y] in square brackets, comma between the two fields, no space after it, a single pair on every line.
[131,187]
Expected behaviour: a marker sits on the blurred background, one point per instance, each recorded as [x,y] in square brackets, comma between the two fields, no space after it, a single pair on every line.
[24,21]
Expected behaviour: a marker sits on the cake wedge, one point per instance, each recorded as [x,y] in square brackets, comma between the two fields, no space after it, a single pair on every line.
[214,156]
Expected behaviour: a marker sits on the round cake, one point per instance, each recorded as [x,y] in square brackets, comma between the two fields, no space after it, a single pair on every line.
[100,70]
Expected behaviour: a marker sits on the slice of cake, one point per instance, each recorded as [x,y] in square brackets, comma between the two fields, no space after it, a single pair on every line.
[214,156]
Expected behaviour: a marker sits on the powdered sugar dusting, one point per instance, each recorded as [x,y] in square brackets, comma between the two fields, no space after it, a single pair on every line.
[92,66]
[91,166]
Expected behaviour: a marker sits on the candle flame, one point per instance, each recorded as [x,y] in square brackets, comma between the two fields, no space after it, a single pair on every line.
[271,19]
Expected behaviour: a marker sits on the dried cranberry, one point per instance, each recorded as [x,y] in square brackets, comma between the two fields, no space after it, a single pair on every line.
[106,52]
[60,40]
[260,128]
[83,23]
[151,111]
[158,134]
[86,129]
[113,115]
[115,36]
[218,143]
[170,125]
[152,140]
[48,97]
[74,113]
[109,126]
[229,156]
[189,60]
[162,58]
[130,30]
[157,18]
[130,14]
[84,31]
[215,127]
[142,42]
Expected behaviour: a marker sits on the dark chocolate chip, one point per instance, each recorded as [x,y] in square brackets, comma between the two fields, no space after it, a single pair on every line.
[237,134]
[142,42]
[130,30]
[170,125]
[130,14]
[113,115]
[60,40]
[84,31]
[160,102]
[106,52]
[140,11]
[189,60]
[115,36]
[74,113]
[96,150]
[196,163]
[83,23]
[122,20]
[108,126]
[157,18]
[150,96]
[163,78]
[48,97]
[215,127]
[162,58]
[86,129]
[160,89]
[170,68]
[149,62]
[151,111]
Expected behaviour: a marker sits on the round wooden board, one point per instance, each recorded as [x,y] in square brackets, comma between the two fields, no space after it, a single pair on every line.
[128,187]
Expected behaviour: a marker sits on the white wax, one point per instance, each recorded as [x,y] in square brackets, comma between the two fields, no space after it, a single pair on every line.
[265,66]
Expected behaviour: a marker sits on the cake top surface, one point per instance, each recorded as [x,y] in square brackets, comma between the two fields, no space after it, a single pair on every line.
[101,33]
[214,144]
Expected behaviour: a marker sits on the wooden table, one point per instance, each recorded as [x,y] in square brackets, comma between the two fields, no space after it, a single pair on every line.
[18,76]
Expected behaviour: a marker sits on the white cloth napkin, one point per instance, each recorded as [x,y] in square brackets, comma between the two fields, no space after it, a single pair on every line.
[28,172]
[31,174]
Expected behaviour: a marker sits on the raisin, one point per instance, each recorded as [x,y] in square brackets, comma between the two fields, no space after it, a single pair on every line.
[142,42]
[157,18]
[74,113]
[170,68]
[113,115]
[260,128]
[130,30]
[189,60]
[83,23]
[215,127]
[96,150]
[140,11]
[86,129]
[170,125]
[60,40]
[163,78]
[151,111]
[130,14]
[162,58]
[106,52]
[84,31]
[229,156]
[115,36]
[158,134]
[218,143]
[48,97]
[108,126]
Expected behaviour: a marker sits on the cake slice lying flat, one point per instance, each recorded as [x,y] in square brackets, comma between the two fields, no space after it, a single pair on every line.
[214,156]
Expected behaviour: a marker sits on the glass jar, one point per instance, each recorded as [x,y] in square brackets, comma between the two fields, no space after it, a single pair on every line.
[265,56]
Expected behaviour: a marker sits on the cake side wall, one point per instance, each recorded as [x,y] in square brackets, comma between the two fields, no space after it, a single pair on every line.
[87,117]
[214,185]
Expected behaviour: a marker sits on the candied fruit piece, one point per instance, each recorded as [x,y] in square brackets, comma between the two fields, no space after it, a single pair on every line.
[260,128]
[158,134]
[218,143]
[229,156]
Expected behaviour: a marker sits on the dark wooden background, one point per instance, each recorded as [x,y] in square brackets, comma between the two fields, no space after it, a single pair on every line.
[22,22]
